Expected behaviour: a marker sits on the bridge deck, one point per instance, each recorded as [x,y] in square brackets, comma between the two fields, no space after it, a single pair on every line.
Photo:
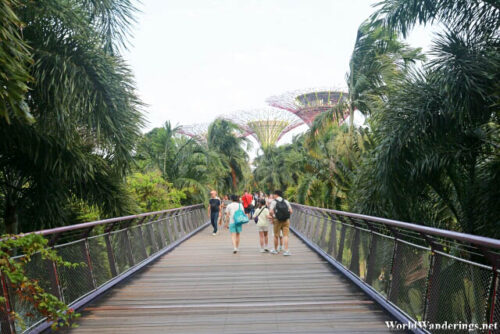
[201,287]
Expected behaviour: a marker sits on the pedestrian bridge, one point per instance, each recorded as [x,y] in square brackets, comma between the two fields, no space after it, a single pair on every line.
[164,272]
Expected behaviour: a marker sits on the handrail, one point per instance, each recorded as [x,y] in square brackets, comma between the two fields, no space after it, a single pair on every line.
[106,221]
[417,273]
[473,239]
[111,254]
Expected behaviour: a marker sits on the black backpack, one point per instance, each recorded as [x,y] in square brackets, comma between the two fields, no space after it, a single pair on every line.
[281,211]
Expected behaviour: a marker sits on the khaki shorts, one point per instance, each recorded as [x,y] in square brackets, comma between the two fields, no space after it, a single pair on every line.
[281,226]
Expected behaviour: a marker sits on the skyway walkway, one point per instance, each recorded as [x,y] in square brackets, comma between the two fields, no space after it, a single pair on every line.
[163,272]
[202,287]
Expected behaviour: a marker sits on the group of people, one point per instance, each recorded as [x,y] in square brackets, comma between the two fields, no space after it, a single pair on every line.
[265,210]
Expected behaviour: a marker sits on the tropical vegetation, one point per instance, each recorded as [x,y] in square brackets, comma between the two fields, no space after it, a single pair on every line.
[429,152]
[72,147]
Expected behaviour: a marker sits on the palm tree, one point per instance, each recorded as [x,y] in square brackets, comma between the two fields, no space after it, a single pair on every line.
[272,171]
[15,59]
[182,161]
[439,135]
[85,112]
[223,138]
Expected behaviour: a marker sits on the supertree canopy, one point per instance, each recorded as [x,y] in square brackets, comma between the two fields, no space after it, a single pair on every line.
[266,125]
[197,131]
[307,103]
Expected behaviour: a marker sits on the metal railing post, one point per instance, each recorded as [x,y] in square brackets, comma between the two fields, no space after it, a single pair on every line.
[170,229]
[54,279]
[86,255]
[354,265]
[340,252]
[149,228]
[176,226]
[109,251]
[322,239]
[189,221]
[128,245]
[6,320]
[495,299]
[309,225]
[192,219]
[301,220]
[183,222]
[53,272]
[319,227]
[395,269]
[332,244]
[370,265]
[161,221]
[141,238]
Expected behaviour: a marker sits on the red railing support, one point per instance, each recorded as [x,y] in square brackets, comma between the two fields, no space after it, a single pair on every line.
[7,323]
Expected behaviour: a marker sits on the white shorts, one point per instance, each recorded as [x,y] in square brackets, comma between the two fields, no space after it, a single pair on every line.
[262,228]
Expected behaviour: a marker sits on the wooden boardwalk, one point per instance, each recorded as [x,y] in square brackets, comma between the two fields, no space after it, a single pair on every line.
[202,287]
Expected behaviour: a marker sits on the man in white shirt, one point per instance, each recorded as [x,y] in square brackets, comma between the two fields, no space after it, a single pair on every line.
[280,209]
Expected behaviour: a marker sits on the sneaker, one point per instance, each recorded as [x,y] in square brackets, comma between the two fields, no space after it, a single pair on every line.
[273,251]
[266,249]
[214,233]
[235,250]
[280,249]
[262,250]
[287,253]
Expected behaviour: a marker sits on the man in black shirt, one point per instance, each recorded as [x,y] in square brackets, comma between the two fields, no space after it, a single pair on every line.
[213,210]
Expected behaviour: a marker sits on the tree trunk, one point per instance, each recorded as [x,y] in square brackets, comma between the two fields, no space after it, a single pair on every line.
[233,177]
[10,218]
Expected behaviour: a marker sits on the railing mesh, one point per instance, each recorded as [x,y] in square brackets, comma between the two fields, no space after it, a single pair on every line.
[437,280]
[105,252]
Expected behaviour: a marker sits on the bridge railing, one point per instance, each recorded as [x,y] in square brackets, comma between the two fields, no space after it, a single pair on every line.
[110,250]
[416,272]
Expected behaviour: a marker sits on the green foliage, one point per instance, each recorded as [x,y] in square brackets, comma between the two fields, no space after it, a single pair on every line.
[67,73]
[15,58]
[28,289]
[430,153]
[224,141]
[152,193]
[185,163]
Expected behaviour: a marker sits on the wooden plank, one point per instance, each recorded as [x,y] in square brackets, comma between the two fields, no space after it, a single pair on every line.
[202,287]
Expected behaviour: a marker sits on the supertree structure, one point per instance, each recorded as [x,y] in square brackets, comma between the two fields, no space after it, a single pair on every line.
[266,125]
[198,131]
[308,103]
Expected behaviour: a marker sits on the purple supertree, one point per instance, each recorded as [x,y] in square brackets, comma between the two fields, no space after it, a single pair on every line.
[308,103]
[198,131]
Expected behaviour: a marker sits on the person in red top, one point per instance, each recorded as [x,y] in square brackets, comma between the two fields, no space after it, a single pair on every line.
[247,202]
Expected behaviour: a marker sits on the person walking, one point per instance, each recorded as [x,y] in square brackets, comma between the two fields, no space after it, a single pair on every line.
[235,229]
[246,199]
[269,198]
[213,210]
[262,218]
[222,217]
[280,209]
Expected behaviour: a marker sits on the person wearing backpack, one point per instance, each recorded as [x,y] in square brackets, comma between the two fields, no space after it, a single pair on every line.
[280,209]
[213,210]
[232,210]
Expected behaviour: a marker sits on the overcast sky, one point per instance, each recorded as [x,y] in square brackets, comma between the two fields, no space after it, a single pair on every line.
[196,59]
